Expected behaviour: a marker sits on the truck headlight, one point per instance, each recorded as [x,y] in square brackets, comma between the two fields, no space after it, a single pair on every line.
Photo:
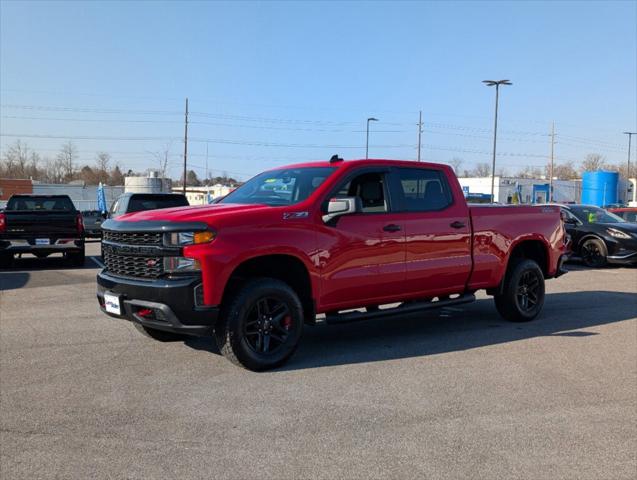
[179,239]
[613,232]
[181,264]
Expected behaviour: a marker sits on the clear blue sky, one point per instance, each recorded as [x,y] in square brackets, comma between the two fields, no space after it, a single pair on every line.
[271,83]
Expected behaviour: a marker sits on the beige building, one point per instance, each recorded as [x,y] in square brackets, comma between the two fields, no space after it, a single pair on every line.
[203,195]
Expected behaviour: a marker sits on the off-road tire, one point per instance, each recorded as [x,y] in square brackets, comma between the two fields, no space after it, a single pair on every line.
[77,259]
[510,303]
[230,331]
[159,335]
[6,260]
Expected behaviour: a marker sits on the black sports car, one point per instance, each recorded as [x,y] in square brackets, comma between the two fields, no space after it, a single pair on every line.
[600,237]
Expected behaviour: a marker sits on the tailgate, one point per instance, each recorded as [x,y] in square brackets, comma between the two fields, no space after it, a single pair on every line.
[31,223]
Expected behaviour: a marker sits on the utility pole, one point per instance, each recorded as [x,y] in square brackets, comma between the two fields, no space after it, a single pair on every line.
[552,163]
[496,84]
[419,132]
[185,147]
[630,135]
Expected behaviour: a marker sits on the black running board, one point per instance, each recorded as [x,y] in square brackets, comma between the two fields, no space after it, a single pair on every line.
[412,307]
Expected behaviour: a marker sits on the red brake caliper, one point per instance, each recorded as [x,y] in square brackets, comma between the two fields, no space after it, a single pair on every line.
[286,322]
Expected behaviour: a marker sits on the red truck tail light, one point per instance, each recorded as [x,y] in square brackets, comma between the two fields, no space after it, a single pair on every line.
[80,224]
[3,222]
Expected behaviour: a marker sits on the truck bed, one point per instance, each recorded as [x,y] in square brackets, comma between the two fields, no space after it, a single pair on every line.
[498,228]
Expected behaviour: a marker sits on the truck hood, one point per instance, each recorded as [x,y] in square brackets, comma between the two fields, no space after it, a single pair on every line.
[201,213]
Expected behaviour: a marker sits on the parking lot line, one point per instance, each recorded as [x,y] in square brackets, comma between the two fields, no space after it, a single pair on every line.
[97,262]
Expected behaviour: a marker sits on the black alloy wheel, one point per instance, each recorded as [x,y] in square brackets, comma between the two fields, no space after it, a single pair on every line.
[528,290]
[522,295]
[268,325]
[260,326]
[593,253]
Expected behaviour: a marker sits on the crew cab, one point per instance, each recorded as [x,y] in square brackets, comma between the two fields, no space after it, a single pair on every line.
[335,238]
[41,225]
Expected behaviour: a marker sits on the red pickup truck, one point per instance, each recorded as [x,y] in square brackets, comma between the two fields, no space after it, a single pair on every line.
[335,238]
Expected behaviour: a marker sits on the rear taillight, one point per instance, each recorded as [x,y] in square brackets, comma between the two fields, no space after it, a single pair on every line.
[3,222]
[80,224]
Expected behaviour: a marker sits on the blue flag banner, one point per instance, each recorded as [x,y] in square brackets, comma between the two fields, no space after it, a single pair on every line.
[101,198]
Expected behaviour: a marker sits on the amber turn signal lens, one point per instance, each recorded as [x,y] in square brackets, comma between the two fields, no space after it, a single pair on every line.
[203,237]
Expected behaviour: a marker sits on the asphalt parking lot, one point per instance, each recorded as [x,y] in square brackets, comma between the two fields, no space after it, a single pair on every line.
[452,394]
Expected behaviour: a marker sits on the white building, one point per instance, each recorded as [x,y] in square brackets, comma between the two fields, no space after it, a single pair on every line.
[84,197]
[202,195]
[521,190]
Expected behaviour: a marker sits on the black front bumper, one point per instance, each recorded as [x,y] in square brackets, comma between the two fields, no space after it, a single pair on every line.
[172,303]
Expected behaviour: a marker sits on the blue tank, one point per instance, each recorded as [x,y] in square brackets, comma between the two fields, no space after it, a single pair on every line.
[600,188]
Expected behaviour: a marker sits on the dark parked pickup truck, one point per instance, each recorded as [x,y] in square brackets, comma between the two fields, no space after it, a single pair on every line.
[335,238]
[138,202]
[41,225]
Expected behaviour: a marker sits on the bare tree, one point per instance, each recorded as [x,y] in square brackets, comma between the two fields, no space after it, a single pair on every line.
[102,161]
[593,162]
[162,157]
[67,158]
[482,170]
[622,169]
[15,160]
[102,167]
[530,171]
[55,170]
[33,170]
[562,171]
[116,176]
[456,163]
[502,172]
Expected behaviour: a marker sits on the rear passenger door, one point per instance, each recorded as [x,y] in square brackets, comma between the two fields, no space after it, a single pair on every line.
[437,231]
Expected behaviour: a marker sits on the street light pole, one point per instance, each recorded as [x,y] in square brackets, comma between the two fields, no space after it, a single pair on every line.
[370,119]
[630,135]
[419,132]
[496,83]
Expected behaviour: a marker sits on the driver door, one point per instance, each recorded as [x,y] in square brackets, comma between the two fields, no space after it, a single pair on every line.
[364,259]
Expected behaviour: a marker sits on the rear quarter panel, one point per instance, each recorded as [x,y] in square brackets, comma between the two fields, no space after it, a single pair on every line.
[498,229]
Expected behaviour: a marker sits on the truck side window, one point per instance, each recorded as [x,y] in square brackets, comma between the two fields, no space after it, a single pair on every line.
[423,190]
[370,188]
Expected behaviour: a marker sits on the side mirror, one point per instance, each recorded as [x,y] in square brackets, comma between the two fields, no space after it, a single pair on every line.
[340,206]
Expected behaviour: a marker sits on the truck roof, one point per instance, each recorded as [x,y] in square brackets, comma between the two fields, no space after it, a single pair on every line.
[32,195]
[359,162]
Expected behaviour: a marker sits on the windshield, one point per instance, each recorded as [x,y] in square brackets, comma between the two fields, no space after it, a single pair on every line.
[596,215]
[63,204]
[280,187]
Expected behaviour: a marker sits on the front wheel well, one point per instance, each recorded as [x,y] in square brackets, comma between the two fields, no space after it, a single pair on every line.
[590,236]
[287,268]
